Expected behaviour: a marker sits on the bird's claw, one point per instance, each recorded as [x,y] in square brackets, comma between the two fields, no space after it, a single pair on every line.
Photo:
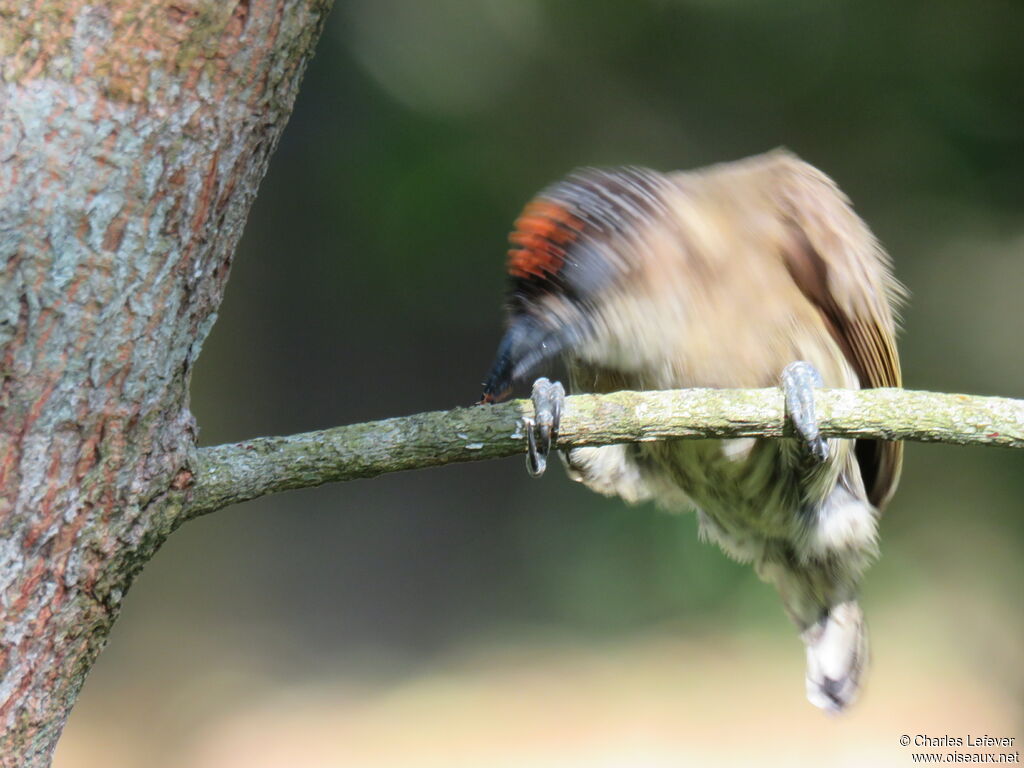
[542,430]
[799,380]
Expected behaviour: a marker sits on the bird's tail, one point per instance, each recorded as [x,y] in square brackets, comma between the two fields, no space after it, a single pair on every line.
[837,654]
[821,600]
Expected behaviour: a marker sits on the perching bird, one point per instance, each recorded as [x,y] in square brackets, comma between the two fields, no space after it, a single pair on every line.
[736,275]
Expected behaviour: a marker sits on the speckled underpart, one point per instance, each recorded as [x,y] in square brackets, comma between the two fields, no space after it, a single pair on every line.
[133,136]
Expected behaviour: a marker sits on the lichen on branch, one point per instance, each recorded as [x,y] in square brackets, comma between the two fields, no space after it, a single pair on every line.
[227,474]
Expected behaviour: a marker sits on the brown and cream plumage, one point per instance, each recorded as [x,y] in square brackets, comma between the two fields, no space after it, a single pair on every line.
[724,277]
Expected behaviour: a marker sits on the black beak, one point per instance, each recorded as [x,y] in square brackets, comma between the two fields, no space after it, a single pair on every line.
[525,345]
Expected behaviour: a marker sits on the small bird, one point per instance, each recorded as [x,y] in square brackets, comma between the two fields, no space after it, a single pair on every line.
[753,273]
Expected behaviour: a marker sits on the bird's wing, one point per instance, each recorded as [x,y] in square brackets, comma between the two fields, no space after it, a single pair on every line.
[841,268]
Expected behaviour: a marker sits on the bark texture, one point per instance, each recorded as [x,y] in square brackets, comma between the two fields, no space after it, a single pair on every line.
[133,136]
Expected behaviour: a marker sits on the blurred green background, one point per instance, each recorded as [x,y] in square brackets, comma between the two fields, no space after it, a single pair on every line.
[470,616]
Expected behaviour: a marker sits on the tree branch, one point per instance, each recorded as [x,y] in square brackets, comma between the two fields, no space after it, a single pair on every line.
[227,474]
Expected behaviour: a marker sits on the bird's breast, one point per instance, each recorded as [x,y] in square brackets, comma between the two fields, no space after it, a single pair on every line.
[744,485]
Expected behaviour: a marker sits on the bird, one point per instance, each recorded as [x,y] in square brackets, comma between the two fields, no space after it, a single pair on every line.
[746,274]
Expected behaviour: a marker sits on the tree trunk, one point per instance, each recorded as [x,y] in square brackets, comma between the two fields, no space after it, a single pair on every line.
[133,136]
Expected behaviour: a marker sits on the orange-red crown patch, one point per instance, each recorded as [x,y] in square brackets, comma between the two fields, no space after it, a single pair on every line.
[542,233]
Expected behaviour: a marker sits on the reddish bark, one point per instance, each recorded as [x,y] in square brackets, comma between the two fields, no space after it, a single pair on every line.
[133,136]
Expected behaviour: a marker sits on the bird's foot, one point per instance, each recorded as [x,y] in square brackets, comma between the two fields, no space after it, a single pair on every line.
[542,430]
[799,380]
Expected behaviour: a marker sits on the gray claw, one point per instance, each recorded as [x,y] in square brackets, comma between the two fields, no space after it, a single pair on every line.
[799,380]
[542,429]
